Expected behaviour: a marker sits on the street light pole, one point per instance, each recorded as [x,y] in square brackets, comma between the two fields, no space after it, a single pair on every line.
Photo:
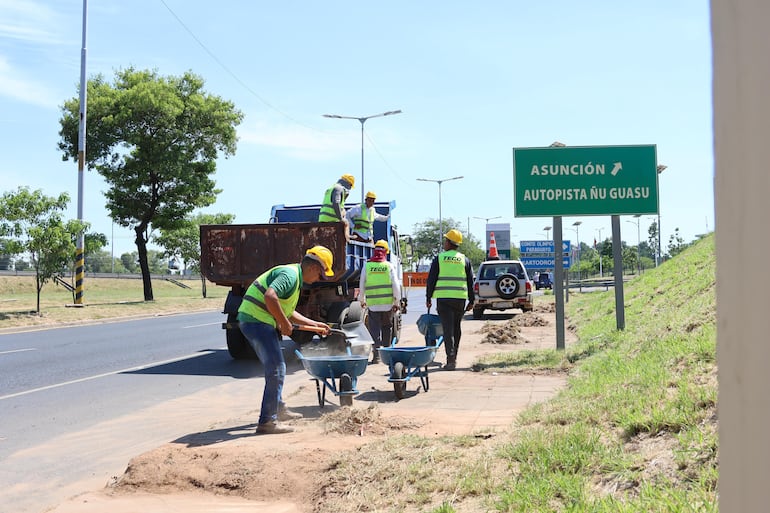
[660,169]
[486,221]
[362,120]
[546,229]
[577,224]
[439,182]
[638,242]
[601,274]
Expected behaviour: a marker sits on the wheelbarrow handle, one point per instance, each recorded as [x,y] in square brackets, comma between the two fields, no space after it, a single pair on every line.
[316,329]
[307,327]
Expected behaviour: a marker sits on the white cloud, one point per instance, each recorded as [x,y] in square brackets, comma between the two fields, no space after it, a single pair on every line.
[28,21]
[299,141]
[15,85]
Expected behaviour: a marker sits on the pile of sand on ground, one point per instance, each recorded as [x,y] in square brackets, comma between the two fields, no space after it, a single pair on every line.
[355,421]
[510,331]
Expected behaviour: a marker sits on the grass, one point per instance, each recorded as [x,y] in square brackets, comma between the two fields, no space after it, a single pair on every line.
[105,298]
[635,429]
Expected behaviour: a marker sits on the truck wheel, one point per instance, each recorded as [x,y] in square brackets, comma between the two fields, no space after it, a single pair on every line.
[237,345]
[355,312]
[336,312]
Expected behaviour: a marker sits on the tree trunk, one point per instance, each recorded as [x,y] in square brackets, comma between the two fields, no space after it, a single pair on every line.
[203,286]
[141,246]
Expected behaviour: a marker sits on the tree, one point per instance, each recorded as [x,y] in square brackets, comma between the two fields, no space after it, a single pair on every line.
[427,241]
[155,141]
[652,239]
[676,243]
[185,242]
[35,226]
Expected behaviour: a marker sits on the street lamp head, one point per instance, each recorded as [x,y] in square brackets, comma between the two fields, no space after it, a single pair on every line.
[661,168]
[577,223]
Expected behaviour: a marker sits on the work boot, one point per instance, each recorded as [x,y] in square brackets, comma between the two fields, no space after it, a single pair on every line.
[273,428]
[450,363]
[285,414]
[375,356]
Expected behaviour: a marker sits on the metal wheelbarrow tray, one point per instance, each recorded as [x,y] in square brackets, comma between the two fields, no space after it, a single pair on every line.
[339,373]
[405,362]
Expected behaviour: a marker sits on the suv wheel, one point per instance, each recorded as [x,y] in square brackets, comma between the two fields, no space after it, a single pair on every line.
[507,286]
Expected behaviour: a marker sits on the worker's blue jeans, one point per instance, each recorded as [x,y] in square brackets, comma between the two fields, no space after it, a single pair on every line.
[266,342]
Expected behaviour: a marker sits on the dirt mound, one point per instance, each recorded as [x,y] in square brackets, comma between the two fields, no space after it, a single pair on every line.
[355,421]
[510,331]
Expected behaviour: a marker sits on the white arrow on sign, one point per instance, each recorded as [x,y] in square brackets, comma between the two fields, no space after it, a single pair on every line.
[618,167]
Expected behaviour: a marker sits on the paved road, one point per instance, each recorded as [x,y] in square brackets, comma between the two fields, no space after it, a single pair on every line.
[77,403]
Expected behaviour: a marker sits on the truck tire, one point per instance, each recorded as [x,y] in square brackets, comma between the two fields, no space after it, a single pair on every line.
[337,312]
[237,345]
[355,312]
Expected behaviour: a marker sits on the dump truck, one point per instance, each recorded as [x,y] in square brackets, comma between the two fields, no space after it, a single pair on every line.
[233,255]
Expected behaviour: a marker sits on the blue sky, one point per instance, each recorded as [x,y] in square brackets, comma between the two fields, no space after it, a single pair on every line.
[473,80]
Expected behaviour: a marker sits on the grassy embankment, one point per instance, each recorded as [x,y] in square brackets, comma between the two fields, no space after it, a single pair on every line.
[105,298]
[635,430]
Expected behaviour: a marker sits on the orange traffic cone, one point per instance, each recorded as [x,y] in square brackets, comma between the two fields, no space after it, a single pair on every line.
[493,255]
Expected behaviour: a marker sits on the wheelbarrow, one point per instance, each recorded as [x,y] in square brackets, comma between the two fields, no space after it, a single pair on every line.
[338,372]
[405,362]
[429,325]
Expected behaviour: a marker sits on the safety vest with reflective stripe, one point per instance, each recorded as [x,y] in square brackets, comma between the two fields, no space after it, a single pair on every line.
[253,303]
[327,213]
[451,282]
[363,222]
[379,288]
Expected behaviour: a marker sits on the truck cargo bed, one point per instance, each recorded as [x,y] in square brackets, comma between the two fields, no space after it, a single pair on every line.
[235,254]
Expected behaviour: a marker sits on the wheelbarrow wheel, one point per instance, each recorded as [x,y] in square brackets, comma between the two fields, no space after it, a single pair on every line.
[346,385]
[399,387]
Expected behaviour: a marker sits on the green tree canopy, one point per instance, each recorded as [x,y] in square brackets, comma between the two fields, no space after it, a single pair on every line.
[155,140]
[33,222]
[185,241]
[427,241]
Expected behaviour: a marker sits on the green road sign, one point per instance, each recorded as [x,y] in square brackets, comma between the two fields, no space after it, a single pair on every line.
[585,180]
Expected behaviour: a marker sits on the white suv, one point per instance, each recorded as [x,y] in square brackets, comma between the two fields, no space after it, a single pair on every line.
[500,285]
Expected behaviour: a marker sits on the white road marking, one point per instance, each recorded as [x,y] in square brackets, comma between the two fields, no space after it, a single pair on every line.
[19,350]
[199,325]
[81,380]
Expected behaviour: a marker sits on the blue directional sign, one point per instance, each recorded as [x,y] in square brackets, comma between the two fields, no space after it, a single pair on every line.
[543,262]
[542,246]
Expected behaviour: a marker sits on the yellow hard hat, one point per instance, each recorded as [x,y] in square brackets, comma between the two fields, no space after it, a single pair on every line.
[322,255]
[454,236]
[370,194]
[349,179]
[382,244]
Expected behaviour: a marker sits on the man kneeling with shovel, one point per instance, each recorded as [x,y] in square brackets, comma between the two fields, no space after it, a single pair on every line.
[266,313]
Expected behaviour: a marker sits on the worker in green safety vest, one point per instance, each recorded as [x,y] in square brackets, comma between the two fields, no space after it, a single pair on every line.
[379,290]
[333,206]
[450,281]
[266,313]
[361,218]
